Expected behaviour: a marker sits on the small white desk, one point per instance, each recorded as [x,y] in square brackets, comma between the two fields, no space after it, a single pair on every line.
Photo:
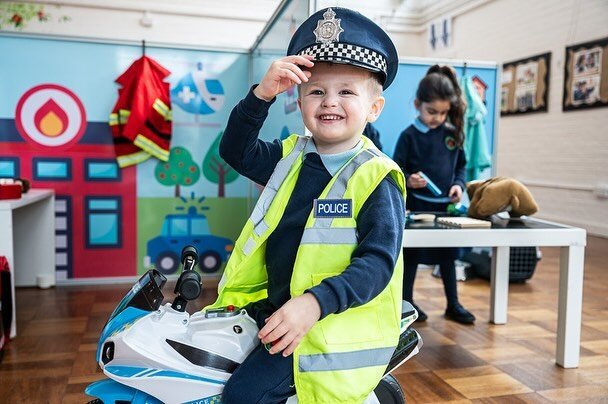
[27,239]
[521,233]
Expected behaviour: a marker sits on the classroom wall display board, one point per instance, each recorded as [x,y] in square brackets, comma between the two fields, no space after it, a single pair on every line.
[525,85]
[399,111]
[586,75]
[114,222]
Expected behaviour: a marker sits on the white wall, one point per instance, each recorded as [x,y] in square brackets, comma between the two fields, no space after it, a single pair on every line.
[562,157]
[208,24]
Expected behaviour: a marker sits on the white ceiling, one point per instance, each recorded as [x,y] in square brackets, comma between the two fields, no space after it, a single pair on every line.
[227,24]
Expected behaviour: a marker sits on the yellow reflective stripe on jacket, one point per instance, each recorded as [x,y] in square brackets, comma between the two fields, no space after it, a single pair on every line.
[132,159]
[123,116]
[149,146]
[113,119]
[163,109]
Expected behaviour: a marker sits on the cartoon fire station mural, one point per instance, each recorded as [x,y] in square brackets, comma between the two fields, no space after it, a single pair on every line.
[187,227]
[54,131]
[197,94]
[51,142]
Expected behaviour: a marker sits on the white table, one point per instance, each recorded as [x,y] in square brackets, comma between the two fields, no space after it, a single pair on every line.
[27,239]
[521,233]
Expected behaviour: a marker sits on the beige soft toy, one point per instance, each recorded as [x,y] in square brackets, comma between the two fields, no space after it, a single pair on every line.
[500,194]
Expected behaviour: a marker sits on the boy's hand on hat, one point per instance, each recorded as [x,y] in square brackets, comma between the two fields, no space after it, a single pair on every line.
[286,327]
[416,181]
[282,74]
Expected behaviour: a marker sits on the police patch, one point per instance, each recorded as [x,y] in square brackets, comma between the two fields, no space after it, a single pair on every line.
[333,208]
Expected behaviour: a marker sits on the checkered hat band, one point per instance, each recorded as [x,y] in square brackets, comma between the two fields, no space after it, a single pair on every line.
[343,52]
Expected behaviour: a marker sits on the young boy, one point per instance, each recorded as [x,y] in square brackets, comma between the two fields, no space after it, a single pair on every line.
[318,265]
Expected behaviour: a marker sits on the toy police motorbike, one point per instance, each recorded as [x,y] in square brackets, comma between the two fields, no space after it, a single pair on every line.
[153,353]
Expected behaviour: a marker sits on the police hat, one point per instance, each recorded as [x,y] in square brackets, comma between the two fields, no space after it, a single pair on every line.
[345,36]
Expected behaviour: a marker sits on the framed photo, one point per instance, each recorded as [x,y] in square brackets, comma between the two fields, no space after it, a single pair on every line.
[586,75]
[525,85]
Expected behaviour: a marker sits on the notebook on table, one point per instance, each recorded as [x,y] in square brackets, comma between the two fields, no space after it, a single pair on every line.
[464,222]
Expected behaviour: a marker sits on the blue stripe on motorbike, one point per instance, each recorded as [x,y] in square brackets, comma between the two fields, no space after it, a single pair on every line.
[146,373]
[126,371]
[132,371]
[171,373]
[128,315]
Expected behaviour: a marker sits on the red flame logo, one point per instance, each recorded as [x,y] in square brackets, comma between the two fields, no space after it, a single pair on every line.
[50,119]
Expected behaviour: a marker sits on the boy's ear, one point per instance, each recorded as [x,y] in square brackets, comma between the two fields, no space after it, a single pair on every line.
[376,109]
[299,103]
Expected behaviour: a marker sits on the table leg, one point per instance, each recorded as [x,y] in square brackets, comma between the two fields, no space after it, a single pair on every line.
[34,238]
[571,268]
[499,293]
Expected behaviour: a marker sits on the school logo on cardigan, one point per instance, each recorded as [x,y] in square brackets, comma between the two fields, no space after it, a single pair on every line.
[333,208]
[450,142]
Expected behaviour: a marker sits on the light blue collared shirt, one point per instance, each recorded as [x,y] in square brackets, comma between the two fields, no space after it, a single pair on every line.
[333,162]
[418,124]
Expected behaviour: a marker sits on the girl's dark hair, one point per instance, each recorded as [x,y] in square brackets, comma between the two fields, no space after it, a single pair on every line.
[440,84]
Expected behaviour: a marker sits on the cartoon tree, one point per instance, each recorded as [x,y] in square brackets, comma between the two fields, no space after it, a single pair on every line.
[215,169]
[179,170]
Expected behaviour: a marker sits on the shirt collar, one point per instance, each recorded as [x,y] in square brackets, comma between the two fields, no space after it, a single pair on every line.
[418,124]
[333,162]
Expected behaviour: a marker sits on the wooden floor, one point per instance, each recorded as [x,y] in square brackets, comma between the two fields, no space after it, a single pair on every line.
[52,359]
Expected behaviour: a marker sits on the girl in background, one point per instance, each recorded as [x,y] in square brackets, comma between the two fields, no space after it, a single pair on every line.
[433,145]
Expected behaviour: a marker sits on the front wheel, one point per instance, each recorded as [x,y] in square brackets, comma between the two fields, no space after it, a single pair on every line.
[389,391]
[209,262]
[167,262]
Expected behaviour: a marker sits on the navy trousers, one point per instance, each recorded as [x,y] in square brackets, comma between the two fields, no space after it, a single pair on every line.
[262,378]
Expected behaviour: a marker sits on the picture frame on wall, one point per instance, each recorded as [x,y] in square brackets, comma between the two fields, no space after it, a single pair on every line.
[586,75]
[525,85]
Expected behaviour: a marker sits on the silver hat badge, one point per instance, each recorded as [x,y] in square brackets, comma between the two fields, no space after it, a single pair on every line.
[328,29]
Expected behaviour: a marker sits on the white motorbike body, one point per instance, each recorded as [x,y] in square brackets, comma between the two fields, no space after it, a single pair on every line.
[166,355]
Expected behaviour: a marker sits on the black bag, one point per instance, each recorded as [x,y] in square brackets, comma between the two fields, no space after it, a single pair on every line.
[6,305]
[522,262]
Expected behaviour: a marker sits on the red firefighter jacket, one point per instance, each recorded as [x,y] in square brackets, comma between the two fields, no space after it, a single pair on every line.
[141,119]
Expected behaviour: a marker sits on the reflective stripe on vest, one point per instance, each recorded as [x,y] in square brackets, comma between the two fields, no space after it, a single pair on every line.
[331,235]
[270,190]
[321,231]
[345,360]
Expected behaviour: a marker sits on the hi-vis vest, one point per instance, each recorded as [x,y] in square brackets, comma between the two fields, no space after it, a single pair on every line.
[343,356]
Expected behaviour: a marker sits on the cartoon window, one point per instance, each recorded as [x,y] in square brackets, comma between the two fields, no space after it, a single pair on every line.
[101,170]
[199,227]
[103,221]
[52,169]
[9,167]
[179,227]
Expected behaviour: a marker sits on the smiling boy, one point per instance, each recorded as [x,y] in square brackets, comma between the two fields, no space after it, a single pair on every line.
[318,265]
